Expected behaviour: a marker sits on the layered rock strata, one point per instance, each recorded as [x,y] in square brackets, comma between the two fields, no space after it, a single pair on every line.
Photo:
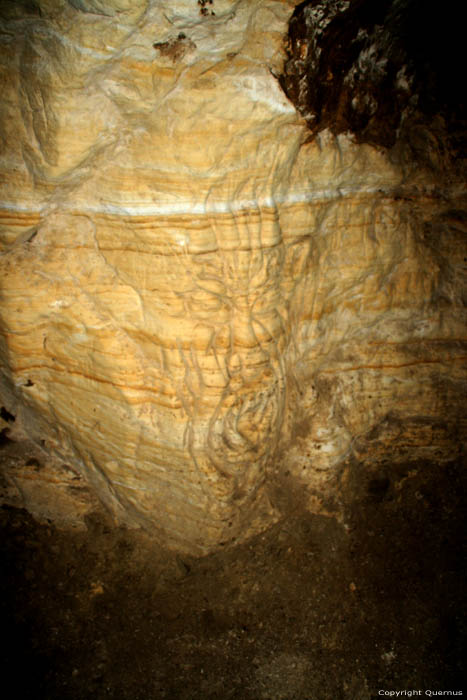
[194,294]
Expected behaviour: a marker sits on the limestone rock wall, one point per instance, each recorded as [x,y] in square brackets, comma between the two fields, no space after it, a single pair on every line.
[195,296]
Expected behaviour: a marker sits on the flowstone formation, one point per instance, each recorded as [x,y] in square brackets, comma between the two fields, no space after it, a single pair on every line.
[206,305]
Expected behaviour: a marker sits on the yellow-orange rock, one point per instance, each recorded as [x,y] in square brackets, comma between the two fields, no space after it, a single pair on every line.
[190,290]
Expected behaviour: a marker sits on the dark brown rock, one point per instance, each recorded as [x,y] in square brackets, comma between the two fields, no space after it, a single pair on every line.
[369,67]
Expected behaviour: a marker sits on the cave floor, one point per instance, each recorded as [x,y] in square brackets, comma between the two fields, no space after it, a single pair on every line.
[312,609]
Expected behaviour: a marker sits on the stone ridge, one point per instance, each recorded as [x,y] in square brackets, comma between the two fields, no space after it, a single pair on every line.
[193,297]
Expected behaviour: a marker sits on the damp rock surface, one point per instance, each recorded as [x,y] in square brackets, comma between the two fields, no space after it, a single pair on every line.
[311,608]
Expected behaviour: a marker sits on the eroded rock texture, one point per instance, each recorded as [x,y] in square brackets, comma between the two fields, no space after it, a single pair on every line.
[200,304]
[376,68]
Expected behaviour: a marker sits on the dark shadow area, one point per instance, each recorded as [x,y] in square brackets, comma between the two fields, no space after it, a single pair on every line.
[312,609]
[379,70]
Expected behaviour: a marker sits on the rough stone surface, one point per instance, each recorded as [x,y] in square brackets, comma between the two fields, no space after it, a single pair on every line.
[203,310]
[375,68]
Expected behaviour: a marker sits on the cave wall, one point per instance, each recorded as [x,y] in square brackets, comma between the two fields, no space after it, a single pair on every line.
[377,70]
[205,296]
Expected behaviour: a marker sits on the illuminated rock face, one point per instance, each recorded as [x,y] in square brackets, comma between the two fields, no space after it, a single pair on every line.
[194,298]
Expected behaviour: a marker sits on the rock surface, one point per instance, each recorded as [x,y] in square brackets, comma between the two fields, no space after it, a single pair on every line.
[203,310]
[371,68]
